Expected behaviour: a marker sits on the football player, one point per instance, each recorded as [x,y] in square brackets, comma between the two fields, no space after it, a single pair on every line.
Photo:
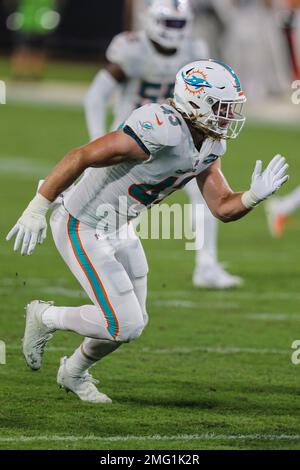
[142,69]
[279,211]
[125,172]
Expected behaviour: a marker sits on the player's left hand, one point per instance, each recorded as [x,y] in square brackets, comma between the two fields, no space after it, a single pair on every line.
[267,182]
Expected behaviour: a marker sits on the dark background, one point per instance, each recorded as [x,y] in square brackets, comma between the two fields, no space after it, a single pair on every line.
[86,28]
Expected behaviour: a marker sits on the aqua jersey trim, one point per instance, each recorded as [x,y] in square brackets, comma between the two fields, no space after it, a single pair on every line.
[132,134]
[93,277]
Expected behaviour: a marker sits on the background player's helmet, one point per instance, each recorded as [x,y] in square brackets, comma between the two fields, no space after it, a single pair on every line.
[168,22]
[209,93]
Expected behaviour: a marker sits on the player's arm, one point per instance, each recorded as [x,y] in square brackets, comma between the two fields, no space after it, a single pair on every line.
[114,148]
[98,96]
[123,56]
[228,205]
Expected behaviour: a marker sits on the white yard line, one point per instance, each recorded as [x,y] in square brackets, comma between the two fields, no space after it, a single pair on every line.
[273,316]
[225,295]
[64,291]
[214,350]
[49,93]
[23,167]
[167,298]
[153,438]
[178,303]
[180,350]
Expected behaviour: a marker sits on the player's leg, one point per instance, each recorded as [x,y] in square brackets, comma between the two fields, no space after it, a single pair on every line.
[208,271]
[115,317]
[279,209]
[128,315]
[131,255]
[84,320]
[116,314]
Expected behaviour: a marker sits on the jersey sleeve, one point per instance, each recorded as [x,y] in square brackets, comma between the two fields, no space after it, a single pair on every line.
[125,51]
[154,127]
[220,147]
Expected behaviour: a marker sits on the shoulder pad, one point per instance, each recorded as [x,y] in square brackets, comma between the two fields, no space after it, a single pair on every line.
[157,126]
[167,126]
[220,147]
[126,51]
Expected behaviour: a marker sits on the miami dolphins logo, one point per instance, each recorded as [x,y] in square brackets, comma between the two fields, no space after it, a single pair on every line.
[195,81]
[146,126]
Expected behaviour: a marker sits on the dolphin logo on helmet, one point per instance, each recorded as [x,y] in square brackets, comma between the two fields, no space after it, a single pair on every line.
[196,81]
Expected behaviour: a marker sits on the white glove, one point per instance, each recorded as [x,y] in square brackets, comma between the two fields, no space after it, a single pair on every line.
[266,183]
[31,228]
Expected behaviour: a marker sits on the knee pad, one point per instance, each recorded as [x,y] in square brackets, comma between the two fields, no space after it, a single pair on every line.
[130,331]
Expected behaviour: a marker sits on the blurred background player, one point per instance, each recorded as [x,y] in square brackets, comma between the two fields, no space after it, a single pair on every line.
[32,21]
[254,25]
[291,26]
[235,29]
[142,69]
[279,210]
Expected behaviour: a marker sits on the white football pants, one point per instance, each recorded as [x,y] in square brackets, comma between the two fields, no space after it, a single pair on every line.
[113,273]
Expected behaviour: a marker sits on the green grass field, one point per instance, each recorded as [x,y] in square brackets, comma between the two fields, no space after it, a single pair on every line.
[213,369]
[57,70]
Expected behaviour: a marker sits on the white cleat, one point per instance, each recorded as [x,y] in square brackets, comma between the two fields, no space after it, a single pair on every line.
[36,334]
[82,386]
[215,277]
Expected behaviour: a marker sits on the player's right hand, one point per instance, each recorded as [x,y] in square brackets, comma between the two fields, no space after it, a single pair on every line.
[31,228]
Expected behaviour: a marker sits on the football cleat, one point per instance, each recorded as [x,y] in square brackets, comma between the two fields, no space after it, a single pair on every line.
[36,334]
[277,220]
[215,277]
[83,386]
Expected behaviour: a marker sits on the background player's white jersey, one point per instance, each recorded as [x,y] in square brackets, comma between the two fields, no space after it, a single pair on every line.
[151,75]
[107,198]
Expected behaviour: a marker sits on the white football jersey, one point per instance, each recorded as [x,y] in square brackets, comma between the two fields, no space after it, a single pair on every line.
[151,75]
[108,198]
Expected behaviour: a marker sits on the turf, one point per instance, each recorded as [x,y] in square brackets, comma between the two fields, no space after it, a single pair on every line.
[213,369]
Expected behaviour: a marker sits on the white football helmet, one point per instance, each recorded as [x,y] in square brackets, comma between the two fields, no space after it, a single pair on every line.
[209,93]
[168,22]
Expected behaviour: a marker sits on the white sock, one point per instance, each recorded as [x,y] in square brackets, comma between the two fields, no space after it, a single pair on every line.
[52,318]
[78,363]
[90,352]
